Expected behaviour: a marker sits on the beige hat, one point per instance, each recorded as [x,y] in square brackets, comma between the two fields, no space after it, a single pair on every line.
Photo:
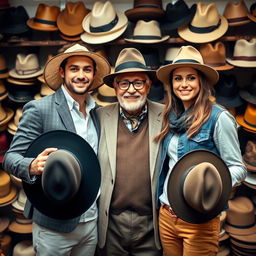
[206,26]
[244,53]
[19,204]
[51,71]
[103,24]
[128,60]
[13,125]
[188,56]
[44,91]
[106,95]
[170,54]
[24,248]
[147,32]
[26,66]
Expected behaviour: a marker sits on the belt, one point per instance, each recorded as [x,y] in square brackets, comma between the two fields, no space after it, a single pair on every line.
[169,209]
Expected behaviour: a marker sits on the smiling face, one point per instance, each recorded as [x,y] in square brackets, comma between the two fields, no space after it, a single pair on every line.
[186,85]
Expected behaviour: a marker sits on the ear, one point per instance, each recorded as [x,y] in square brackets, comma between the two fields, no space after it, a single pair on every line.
[62,72]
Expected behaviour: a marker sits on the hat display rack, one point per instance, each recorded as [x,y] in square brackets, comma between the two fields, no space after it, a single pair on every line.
[224,32]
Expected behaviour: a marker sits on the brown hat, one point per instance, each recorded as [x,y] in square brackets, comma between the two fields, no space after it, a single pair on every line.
[249,157]
[128,60]
[147,32]
[240,217]
[206,26]
[51,71]
[6,115]
[45,18]
[244,53]
[215,56]
[70,19]
[199,186]
[248,119]
[3,67]
[145,10]
[4,223]
[236,13]
[5,241]
[188,56]
[3,92]
[13,125]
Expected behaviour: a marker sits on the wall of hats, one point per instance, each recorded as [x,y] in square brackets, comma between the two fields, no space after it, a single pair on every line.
[223,31]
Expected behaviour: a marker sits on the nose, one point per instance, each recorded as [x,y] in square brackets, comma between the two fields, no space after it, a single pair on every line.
[131,89]
[184,83]
[80,73]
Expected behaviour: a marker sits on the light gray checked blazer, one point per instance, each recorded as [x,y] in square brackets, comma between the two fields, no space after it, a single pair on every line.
[40,116]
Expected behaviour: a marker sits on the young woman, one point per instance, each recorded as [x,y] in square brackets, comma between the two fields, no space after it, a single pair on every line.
[192,122]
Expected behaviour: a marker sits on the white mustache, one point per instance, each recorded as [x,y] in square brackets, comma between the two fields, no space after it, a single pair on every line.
[127,94]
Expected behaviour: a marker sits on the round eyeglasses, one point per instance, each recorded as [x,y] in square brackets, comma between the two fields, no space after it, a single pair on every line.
[125,84]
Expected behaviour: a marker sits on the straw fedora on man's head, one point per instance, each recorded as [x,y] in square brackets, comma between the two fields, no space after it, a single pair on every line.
[45,18]
[51,71]
[188,56]
[103,24]
[147,32]
[128,60]
[244,53]
[70,19]
[74,165]
[199,186]
[206,26]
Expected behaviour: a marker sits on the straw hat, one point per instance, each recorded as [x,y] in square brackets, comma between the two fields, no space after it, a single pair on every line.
[19,204]
[26,66]
[13,125]
[188,56]
[3,67]
[6,115]
[51,71]
[147,32]
[236,13]
[45,18]
[248,119]
[215,56]
[128,60]
[199,186]
[3,92]
[103,24]
[206,26]
[70,19]
[24,248]
[170,54]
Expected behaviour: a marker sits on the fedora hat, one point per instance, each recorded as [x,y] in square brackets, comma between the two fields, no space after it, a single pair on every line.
[4,145]
[19,204]
[227,92]
[3,92]
[45,18]
[13,125]
[128,60]
[4,223]
[51,70]
[75,164]
[244,53]
[236,13]
[6,115]
[8,192]
[177,14]
[3,67]
[26,66]
[145,10]
[103,24]
[248,93]
[188,56]
[240,216]
[215,56]
[147,32]
[252,14]
[199,186]
[24,248]
[105,95]
[70,38]
[206,26]
[70,19]
[248,119]
[44,91]
[170,54]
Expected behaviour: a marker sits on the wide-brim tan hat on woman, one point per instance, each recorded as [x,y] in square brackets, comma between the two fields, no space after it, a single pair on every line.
[188,56]
[51,71]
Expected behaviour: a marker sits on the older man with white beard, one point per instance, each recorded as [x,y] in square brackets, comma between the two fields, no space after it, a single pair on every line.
[129,160]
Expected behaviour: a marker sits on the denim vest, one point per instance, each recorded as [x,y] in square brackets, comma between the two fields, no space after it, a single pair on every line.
[202,140]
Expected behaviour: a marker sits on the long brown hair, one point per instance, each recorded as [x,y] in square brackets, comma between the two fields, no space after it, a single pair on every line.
[199,114]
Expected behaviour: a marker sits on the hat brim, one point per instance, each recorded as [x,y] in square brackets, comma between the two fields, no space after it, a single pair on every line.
[175,192]
[20,228]
[147,41]
[54,80]
[247,96]
[9,115]
[144,13]
[14,74]
[239,23]
[185,33]
[251,17]
[229,102]
[108,80]
[241,63]
[39,26]
[4,75]
[10,198]
[163,73]
[90,175]
[3,96]
[241,121]
[70,38]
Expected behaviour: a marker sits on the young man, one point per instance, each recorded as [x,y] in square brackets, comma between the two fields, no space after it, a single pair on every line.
[129,161]
[72,74]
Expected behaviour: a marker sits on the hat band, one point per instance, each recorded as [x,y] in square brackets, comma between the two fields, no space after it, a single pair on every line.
[237,19]
[3,71]
[106,27]
[47,22]
[242,227]
[23,221]
[130,64]
[186,60]
[252,125]
[109,99]
[27,71]
[204,29]
[250,58]
[146,37]
[147,6]
[217,64]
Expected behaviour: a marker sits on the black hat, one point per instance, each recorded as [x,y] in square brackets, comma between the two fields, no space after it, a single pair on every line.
[75,164]
[199,186]
[249,92]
